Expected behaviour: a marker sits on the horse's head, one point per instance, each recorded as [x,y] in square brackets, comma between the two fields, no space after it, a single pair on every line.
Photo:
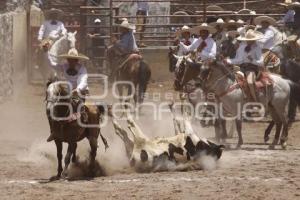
[64,44]
[185,71]
[71,38]
[58,101]
[228,48]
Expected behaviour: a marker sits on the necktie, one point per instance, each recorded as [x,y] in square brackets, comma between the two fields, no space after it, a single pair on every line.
[248,48]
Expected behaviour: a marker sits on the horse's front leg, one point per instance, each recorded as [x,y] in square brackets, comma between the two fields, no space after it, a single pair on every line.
[239,131]
[93,153]
[277,135]
[59,148]
[70,151]
[268,131]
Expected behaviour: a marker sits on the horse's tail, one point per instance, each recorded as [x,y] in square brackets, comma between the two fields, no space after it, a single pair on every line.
[144,77]
[295,91]
[294,100]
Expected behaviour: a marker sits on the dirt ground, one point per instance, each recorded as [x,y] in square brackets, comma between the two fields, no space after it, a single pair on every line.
[27,161]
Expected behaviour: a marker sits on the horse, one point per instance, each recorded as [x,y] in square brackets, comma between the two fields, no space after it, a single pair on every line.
[175,65]
[289,69]
[217,80]
[60,46]
[133,73]
[63,117]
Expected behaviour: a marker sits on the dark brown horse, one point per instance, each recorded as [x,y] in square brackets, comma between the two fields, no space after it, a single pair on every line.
[133,70]
[64,117]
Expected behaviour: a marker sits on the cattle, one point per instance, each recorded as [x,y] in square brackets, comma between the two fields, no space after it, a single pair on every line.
[165,153]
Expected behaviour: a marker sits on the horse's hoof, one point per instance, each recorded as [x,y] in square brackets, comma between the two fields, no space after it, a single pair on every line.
[238,146]
[266,139]
[54,178]
[284,145]
[272,147]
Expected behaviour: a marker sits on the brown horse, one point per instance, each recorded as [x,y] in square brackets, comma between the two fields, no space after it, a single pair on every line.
[63,117]
[133,70]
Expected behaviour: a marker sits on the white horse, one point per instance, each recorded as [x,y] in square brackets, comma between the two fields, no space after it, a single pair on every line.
[60,46]
[275,98]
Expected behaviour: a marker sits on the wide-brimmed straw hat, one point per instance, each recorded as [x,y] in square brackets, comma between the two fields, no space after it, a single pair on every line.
[292,38]
[203,26]
[97,20]
[251,35]
[294,4]
[241,22]
[127,25]
[232,22]
[214,8]
[184,29]
[53,11]
[219,22]
[73,54]
[260,19]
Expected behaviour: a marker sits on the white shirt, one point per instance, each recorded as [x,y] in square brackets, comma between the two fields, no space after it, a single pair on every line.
[48,30]
[244,57]
[209,52]
[181,51]
[268,41]
[289,16]
[79,81]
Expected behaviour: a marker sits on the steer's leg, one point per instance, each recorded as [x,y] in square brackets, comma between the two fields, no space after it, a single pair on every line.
[74,158]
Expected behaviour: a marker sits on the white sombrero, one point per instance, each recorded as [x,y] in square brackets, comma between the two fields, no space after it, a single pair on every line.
[53,11]
[205,27]
[251,35]
[184,29]
[260,19]
[127,25]
[292,38]
[73,54]
[295,4]
[214,8]
[219,22]
[240,22]
[232,22]
[97,20]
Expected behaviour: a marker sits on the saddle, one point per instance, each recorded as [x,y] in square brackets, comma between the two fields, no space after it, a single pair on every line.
[271,60]
[46,44]
[263,81]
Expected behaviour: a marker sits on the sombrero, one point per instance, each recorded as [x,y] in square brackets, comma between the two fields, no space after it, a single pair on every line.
[184,29]
[73,54]
[127,25]
[292,38]
[232,34]
[219,22]
[53,11]
[260,19]
[232,22]
[97,20]
[240,22]
[203,26]
[214,8]
[251,35]
[294,4]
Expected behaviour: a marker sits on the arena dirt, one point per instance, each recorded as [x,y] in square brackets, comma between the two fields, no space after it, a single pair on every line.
[27,161]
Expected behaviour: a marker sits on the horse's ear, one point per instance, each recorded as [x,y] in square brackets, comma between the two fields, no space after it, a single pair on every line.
[75,33]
